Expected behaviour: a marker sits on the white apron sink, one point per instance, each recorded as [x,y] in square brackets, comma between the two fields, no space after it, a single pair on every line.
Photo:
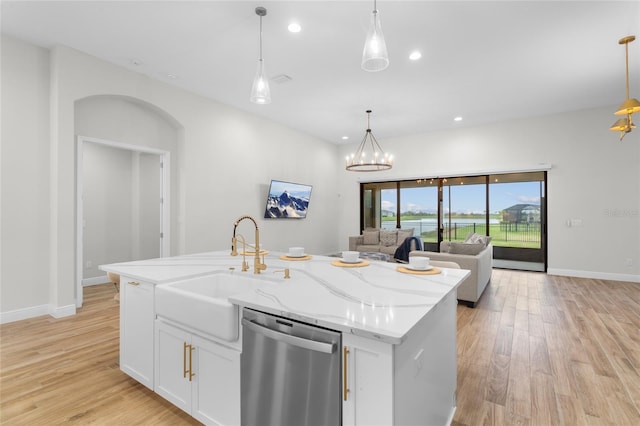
[202,303]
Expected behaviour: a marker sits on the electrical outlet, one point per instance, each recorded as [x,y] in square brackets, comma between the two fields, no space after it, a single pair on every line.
[628,261]
[89,264]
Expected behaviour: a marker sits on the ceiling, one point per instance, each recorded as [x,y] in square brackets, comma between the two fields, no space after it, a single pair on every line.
[484,61]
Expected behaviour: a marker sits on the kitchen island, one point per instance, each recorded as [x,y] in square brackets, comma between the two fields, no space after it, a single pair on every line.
[398,332]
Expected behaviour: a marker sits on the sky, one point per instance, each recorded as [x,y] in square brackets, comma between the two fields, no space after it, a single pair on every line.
[464,198]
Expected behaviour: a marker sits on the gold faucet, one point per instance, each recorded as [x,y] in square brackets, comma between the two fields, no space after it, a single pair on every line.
[257,264]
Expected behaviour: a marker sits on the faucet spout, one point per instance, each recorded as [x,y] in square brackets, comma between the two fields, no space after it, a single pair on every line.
[257,264]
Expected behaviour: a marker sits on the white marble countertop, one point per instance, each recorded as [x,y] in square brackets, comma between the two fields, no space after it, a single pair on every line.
[374,301]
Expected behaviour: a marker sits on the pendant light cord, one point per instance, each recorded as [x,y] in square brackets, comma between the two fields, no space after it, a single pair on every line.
[260,38]
[626,47]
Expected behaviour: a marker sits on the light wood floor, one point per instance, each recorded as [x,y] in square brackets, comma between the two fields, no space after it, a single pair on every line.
[548,350]
[537,350]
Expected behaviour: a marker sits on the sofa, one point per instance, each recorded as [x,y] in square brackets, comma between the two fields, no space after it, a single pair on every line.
[477,257]
[379,240]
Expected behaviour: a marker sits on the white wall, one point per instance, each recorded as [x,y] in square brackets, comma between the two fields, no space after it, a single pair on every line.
[594,177]
[24,190]
[225,161]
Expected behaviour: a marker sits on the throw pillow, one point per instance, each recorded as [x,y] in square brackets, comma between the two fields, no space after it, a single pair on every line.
[473,238]
[484,239]
[371,237]
[470,237]
[466,248]
[403,234]
[388,237]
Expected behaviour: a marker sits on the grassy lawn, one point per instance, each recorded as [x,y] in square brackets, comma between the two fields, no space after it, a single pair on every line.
[501,235]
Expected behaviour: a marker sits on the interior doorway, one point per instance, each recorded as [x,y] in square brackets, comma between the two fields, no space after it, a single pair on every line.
[122,206]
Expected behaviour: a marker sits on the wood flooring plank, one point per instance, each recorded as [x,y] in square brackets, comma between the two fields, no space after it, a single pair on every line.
[504,341]
[589,392]
[536,325]
[491,415]
[544,410]
[497,380]
[539,355]
[518,402]
[570,411]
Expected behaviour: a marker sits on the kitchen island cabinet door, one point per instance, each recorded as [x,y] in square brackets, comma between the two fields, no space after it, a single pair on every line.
[216,386]
[136,329]
[198,375]
[173,362]
[367,370]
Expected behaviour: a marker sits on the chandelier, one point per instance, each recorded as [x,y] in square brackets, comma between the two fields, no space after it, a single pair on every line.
[369,157]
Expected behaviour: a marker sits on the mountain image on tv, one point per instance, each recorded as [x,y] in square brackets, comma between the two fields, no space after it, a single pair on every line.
[287,200]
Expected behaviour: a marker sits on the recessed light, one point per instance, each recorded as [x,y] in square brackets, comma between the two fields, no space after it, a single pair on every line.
[344,138]
[415,55]
[294,27]
[457,118]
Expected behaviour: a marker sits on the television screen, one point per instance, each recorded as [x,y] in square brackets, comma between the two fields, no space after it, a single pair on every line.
[287,200]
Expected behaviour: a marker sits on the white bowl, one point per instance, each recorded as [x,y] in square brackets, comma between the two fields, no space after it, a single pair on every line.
[350,256]
[418,262]
[296,251]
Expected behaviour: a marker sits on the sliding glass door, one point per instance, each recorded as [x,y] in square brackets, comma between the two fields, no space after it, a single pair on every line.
[464,202]
[419,210]
[508,207]
[517,202]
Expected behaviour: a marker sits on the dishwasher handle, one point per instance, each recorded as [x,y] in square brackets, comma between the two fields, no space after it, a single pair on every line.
[312,345]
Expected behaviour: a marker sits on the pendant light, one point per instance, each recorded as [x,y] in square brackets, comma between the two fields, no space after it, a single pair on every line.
[369,157]
[630,105]
[374,54]
[260,93]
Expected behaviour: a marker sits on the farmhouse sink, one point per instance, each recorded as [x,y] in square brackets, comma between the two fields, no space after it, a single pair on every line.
[202,303]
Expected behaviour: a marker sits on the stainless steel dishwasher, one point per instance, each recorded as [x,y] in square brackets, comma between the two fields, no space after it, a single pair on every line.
[290,372]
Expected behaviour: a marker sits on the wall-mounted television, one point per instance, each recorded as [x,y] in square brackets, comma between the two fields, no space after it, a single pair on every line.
[287,200]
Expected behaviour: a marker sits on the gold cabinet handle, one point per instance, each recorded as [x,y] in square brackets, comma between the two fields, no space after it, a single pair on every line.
[186,370]
[191,373]
[184,360]
[134,283]
[345,387]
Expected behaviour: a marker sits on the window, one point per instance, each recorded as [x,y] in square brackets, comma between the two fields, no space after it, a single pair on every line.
[508,207]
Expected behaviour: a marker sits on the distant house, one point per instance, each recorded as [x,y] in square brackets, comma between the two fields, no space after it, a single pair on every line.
[521,213]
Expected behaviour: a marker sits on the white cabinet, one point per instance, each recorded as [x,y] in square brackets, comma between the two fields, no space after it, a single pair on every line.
[410,383]
[197,375]
[136,329]
[367,375]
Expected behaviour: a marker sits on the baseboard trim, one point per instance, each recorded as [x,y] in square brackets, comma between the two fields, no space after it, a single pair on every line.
[62,311]
[24,313]
[594,275]
[95,280]
[37,311]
